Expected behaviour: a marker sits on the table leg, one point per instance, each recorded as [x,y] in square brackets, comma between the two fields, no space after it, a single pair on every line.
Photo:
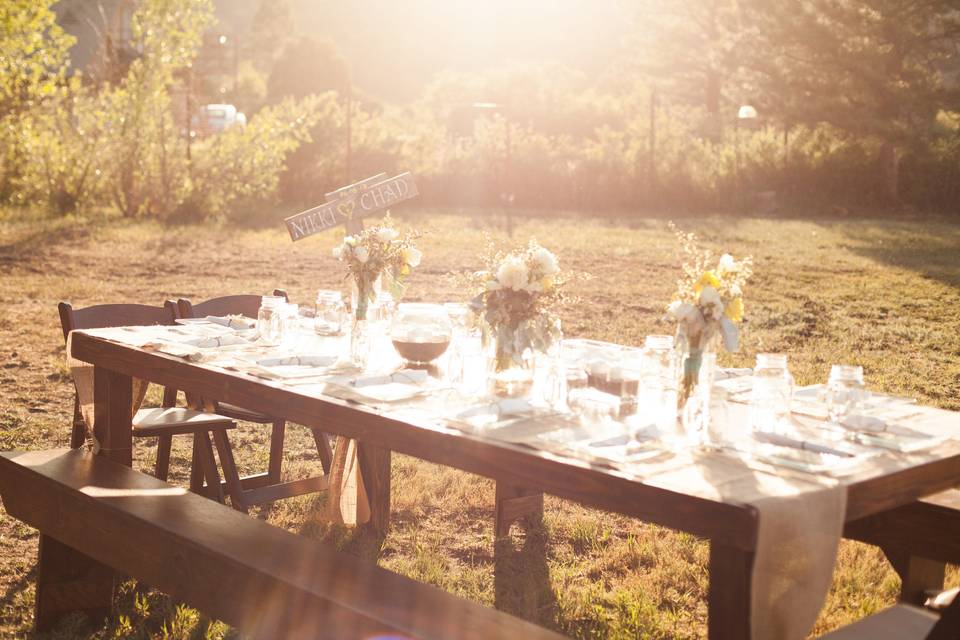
[917,575]
[113,401]
[730,586]
[513,503]
[69,581]
[375,470]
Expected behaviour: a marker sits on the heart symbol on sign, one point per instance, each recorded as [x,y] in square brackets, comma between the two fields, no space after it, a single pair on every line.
[346,209]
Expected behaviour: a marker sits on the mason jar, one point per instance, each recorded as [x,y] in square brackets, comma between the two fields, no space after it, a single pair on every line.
[330,312]
[270,319]
[772,393]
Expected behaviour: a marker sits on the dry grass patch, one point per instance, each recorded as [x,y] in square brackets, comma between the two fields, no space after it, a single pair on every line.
[876,292]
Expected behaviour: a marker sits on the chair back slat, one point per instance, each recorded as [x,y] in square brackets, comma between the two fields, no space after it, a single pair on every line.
[111,315]
[243,304]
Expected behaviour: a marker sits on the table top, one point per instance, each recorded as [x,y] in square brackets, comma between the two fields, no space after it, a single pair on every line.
[705,493]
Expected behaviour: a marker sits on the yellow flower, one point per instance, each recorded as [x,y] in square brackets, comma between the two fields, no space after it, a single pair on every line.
[708,279]
[734,310]
[546,283]
[405,270]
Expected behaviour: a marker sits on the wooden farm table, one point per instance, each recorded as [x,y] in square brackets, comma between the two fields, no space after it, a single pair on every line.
[671,500]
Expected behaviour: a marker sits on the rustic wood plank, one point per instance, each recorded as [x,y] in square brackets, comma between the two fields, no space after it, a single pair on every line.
[69,582]
[375,469]
[733,524]
[263,495]
[729,596]
[513,503]
[929,527]
[896,623]
[264,580]
[113,398]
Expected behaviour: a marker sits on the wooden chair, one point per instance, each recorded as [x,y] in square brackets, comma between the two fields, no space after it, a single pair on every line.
[904,622]
[163,422]
[253,489]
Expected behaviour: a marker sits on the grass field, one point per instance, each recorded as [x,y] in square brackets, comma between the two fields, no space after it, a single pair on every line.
[880,293]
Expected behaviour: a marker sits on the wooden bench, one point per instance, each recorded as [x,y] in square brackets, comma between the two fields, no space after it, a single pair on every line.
[918,540]
[903,622]
[261,579]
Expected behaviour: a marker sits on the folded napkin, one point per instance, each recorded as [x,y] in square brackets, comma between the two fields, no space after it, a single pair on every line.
[299,361]
[193,349]
[406,376]
[877,432]
[234,322]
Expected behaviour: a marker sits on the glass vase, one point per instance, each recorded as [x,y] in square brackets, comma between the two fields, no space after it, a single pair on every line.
[362,300]
[510,376]
[695,414]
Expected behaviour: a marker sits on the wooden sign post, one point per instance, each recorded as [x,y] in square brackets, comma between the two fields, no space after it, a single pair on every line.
[348,205]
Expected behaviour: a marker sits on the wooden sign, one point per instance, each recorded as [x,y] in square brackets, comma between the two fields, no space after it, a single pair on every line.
[352,202]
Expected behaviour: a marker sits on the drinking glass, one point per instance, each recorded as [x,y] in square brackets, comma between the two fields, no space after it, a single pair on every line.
[771,394]
[658,386]
[593,407]
[846,392]
[329,317]
[270,319]
[561,379]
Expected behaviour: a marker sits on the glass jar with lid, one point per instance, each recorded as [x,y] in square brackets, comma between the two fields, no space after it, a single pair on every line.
[270,319]
[846,391]
[330,311]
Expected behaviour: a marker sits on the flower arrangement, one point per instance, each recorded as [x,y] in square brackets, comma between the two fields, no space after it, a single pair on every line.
[708,304]
[518,294]
[378,252]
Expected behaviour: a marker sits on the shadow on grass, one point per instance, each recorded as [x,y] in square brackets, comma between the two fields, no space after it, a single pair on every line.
[521,577]
[930,250]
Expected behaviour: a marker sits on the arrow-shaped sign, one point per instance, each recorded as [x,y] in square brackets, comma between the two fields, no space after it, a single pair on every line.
[352,202]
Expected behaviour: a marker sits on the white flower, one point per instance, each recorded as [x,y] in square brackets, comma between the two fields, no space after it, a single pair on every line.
[513,273]
[681,311]
[338,252]
[546,261]
[492,285]
[350,241]
[361,254]
[386,234]
[412,256]
[726,264]
[711,303]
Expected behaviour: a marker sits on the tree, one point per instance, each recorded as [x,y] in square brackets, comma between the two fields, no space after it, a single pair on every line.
[272,28]
[306,67]
[691,51]
[33,67]
[869,67]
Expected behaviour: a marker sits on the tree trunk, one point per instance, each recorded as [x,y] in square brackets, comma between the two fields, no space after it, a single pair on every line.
[889,161]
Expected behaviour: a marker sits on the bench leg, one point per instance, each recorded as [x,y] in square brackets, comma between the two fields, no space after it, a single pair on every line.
[213,487]
[162,468]
[276,451]
[230,473]
[917,575]
[728,608]
[375,470]
[67,582]
[514,503]
[323,448]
